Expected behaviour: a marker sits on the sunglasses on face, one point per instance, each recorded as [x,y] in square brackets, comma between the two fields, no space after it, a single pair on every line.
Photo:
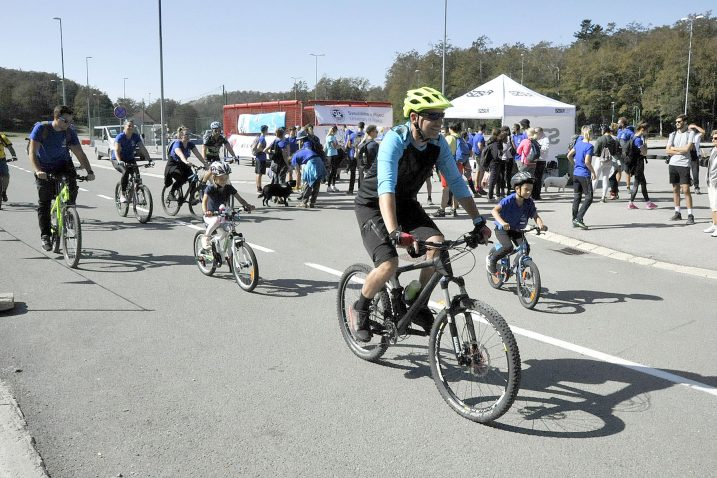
[64,120]
[678,122]
[432,116]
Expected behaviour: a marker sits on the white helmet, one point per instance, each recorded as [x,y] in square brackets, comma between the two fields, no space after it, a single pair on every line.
[220,169]
[215,125]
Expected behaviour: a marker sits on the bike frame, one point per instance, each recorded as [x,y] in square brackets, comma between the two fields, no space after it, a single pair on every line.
[63,195]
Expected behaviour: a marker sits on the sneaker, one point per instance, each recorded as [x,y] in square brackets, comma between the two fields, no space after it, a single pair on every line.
[690,219]
[676,217]
[430,201]
[481,192]
[580,224]
[603,199]
[4,197]
[650,205]
[697,191]
[489,264]
[714,234]
[632,206]
[439,213]
[123,199]
[424,319]
[359,324]
[46,244]
[455,213]
[302,204]
[710,229]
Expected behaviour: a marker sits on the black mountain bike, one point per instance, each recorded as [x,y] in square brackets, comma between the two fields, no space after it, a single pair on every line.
[189,193]
[527,275]
[137,194]
[65,226]
[474,358]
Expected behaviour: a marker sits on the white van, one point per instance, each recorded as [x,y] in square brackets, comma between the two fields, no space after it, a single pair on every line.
[103,138]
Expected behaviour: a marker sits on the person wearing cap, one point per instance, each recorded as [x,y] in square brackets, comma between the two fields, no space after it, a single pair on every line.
[387,204]
[312,169]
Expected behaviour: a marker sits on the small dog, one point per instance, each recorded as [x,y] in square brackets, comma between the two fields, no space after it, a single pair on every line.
[559,182]
[280,191]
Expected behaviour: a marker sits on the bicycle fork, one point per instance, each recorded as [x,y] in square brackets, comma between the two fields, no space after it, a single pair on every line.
[453,304]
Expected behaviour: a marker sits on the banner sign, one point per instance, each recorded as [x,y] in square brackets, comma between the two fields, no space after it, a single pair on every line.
[248,124]
[351,115]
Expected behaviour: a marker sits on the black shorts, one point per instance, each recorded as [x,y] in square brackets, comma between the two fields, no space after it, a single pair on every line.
[680,175]
[411,218]
[259,167]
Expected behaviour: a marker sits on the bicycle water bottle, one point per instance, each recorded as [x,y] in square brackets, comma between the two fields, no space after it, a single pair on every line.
[412,290]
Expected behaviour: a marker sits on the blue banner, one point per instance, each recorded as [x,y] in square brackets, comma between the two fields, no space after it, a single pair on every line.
[252,123]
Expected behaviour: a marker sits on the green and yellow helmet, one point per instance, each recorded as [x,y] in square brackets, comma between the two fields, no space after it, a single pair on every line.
[425,98]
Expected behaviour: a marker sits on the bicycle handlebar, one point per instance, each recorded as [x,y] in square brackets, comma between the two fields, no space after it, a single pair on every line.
[230,213]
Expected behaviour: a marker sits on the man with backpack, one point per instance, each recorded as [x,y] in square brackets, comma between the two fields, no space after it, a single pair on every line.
[625,133]
[50,145]
[368,150]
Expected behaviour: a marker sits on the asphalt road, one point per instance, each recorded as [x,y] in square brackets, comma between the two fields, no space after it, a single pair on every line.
[136,364]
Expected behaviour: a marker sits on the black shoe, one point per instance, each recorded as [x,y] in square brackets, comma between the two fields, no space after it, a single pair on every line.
[690,219]
[697,190]
[359,323]
[676,217]
[46,244]
[580,224]
[439,213]
[4,197]
[424,319]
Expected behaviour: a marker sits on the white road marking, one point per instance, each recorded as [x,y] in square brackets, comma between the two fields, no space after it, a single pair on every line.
[260,248]
[83,189]
[603,357]
[105,197]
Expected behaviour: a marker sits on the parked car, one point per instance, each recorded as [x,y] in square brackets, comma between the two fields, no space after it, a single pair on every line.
[103,138]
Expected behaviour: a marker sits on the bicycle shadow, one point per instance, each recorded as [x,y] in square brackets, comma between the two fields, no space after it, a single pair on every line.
[576,301]
[569,398]
[96,225]
[290,287]
[108,260]
[12,207]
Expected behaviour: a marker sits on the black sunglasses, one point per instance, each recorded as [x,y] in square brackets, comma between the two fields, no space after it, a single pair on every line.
[433,116]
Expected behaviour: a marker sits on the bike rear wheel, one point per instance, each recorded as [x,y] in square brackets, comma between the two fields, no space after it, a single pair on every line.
[482,382]
[71,235]
[204,259]
[122,207]
[528,289]
[195,205]
[349,291]
[172,202]
[142,204]
[244,265]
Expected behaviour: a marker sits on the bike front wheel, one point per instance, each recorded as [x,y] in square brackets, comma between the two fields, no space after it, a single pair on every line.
[481,380]
[203,257]
[244,266]
[528,289]
[71,236]
[122,207]
[349,291]
[171,201]
[142,204]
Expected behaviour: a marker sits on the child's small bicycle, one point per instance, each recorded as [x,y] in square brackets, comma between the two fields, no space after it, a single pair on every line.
[228,245]
[526,272]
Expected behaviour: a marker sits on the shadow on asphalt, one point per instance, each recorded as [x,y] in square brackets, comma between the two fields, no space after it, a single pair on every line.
[20,308]
[575,301]
[288,287]
[107,260]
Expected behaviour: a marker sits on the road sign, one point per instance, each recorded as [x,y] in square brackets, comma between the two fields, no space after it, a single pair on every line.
[120,112]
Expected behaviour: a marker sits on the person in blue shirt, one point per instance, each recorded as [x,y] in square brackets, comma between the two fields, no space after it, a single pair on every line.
[477,144]
[279,157]
[49,152]
[312,167]
[332,154]
[625,133]
[259,149]
[387,204]
[178,164]
[127,144]
[511,216]
[583,176]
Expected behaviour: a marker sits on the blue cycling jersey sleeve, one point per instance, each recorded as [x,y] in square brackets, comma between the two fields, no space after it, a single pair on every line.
[446,164]
[389,153]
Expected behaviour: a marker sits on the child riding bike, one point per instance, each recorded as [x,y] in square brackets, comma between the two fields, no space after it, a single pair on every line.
[216,196]
[511,216]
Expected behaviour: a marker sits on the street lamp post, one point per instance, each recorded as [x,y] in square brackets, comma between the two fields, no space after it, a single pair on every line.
[316,80]
[445,39]
[690,19]
[161,86]
[62,57]
[295,78]
[612,116]
[522,55]
[124,88]
[87,84]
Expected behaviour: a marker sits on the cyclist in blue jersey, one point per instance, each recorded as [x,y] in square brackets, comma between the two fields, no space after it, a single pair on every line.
[178,169]
[127,143]
[386,203]
[49,152]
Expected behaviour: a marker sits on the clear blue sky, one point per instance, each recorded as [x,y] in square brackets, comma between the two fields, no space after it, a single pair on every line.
[253,45]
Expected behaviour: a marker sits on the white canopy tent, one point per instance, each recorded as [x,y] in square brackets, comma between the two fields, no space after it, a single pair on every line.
[507,100]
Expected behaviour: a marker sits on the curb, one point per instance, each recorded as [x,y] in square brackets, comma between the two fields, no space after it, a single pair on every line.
[625,257]
[18,456]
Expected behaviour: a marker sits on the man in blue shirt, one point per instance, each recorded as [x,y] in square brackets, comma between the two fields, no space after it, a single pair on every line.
[126,145]
[49,152]
[625,134]
[259,150]
[312,168]
[352,145]
[387,202]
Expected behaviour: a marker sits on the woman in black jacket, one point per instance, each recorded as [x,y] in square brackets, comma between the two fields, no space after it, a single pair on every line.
[491,160]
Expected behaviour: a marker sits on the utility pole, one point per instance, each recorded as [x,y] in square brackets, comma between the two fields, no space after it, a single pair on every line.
[62,56]
[445,39]
[316,81]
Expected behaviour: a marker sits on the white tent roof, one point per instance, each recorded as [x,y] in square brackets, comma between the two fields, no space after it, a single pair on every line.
[503,97]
